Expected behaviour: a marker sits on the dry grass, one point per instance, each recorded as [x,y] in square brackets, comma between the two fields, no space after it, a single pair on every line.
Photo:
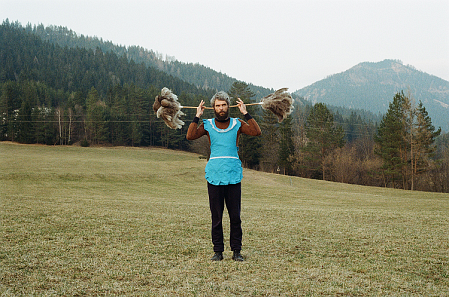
[123,221]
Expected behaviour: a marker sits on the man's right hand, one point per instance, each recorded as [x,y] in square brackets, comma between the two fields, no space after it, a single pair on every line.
[200,109]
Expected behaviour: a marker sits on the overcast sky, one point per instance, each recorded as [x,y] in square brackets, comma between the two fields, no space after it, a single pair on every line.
[268,43]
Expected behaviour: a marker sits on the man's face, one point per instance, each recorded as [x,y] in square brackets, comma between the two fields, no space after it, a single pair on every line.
[221,109]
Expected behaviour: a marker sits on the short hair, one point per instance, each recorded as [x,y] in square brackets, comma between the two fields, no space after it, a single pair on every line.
[220,96]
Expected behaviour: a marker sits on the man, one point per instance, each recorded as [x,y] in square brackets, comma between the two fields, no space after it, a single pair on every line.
[224,168]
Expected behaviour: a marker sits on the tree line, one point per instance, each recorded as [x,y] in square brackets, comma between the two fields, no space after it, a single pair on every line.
[201,76]
[403,151]
[59,95]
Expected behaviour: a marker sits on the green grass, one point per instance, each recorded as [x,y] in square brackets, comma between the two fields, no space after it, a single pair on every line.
[125,221]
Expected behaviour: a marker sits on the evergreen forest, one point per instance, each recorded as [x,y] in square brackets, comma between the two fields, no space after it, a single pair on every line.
[71,94]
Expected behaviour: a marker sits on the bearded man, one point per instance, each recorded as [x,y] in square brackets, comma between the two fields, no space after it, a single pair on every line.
[224,169]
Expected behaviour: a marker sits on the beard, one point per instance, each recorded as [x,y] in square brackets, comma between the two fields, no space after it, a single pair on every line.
[222,116]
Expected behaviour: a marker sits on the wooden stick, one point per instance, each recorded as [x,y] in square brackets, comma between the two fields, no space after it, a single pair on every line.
[195,107]
[249,104]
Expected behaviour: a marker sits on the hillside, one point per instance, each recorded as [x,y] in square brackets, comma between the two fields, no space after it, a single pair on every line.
[85,90]
[201,76]
[25,56]
[371,86]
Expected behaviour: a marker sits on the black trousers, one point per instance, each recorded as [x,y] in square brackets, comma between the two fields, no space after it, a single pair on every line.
[218,196]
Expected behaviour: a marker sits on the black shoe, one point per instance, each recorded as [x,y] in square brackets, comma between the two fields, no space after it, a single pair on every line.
[218,256]
[237,256]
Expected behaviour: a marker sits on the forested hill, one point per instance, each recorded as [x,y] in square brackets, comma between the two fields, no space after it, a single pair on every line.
[201,76]
[52,94]
[25,56]
[370,86]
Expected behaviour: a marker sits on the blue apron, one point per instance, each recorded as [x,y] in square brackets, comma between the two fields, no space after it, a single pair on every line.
[224,166]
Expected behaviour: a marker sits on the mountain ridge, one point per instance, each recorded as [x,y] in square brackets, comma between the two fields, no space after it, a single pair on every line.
[367,86]
[199,75]
[372,85]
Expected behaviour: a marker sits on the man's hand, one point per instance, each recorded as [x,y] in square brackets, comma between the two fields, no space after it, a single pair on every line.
[200,109]
[241,106]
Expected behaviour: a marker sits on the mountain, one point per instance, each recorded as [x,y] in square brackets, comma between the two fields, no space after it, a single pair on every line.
[367,87]
[201,76]
[372,86]
[26,57]
[97,97]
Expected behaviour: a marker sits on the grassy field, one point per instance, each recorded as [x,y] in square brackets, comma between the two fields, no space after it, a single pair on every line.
[135,222]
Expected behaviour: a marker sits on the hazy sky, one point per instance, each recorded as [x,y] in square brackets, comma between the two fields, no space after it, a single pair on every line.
[271,43]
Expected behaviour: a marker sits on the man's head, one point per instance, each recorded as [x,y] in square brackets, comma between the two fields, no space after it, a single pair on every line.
[221,102]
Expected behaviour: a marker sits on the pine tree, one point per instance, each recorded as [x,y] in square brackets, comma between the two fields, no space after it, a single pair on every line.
[9,103]
[25,129]
[286,147]
[405,141]
[119,125]
[323,137]
[26,126]
[96,125]
[390,139]
[239,90]
[137,104]
[425,142]
[408,150]
[270,141]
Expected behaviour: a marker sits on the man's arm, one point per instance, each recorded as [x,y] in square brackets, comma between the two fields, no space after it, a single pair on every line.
[195,132]
[250,128]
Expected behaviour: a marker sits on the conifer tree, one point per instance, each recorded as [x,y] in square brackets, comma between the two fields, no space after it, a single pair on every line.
[286,147]
[390,140]
[119,126]
[270,141]
[239,90]
[138,111]
[10,92]
[25,129]
[425,142]
[26,126]
[405,141]
[97,129]
[323,137]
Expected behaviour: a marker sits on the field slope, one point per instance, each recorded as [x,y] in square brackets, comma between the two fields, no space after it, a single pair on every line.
[126,221]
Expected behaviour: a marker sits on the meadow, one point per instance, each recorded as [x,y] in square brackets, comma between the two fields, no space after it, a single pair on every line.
[126,221]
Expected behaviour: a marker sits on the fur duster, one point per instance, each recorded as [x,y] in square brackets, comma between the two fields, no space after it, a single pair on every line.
[280,103]
[167,107]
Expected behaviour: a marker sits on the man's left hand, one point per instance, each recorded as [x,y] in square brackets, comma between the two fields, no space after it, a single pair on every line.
[241,106]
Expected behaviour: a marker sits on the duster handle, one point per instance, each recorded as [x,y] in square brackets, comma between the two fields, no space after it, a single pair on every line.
[249,104]
[195,107]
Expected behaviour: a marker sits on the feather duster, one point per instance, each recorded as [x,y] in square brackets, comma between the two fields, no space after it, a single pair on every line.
[280,103]
[168,108]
